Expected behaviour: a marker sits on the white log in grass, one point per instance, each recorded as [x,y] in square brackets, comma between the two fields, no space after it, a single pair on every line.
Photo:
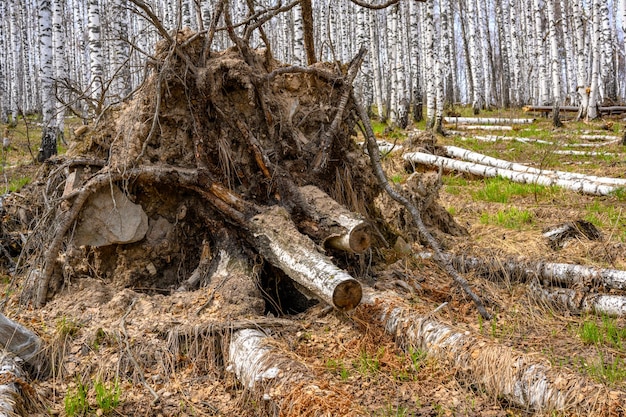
[11,374]
[494,138]
[20,341]
[582,186]
[285,384]
[582,153]
[600,137]
[581,302]
[571,275]
[523,379]
[280,243]
[487,120]
[465,154]
[484,127]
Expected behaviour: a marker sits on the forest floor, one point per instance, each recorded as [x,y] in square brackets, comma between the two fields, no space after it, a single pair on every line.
[95,329]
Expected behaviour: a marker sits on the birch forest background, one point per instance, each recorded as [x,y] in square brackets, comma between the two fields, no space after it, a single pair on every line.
[441,53]
[313,208]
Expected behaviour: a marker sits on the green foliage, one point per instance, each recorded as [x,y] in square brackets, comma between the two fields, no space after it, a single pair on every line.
[604,369]
[397,178]
[107,396]
[511,218]
[500,190]
[16,184]
[606,333]
[393,411]
[337,366]
[368,364]
[75,401]
[417,357]
[67,327]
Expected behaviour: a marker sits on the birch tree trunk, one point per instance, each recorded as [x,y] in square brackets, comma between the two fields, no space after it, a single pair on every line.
[298,36]
[414,45]
[592,108]
[121,51]
[95,55]
[475,56]
[581,64]
[60,71]
[555,64]
[609,83]
[378,89]
[540,55]
[393,45]
[505,77]
[514,56]
[50,130]
[429,47]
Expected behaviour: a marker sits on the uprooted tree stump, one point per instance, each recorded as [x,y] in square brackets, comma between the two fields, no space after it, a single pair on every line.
[230,143]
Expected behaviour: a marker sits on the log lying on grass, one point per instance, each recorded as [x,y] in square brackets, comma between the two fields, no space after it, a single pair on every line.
[276,238]
[571,275]
[487,120]
[582,186]
[344,230]
[465,154]
[504,372]
[285,384]
[484,127]
[12,379]
[580,301]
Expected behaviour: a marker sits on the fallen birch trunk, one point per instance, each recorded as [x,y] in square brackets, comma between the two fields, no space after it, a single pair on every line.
[484,127]
[476,157]
[487,120]
[493,138]
[600,137]
[571,275]
[581,302]
[284,383]
[503,371]
[276,238]
[12,378]
[582,186]
[583,153]
[343,229]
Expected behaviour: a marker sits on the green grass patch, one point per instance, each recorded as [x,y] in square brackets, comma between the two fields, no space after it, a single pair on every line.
[75,400]
[107,395]
[607,332]
[501,190]
[609,371]
[16,184]
[606,215]
[511,218]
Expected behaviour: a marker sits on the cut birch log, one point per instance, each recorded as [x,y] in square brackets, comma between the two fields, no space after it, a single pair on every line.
[583,153]
[494,138]
[600,137]
[484,127]
[574,109]
[12,379]
[22,342]
[487,120]
[343,229]
[571,275]
[284,383]
[581,186]
[476,157]
[504,372]
[276,238]
[580,301]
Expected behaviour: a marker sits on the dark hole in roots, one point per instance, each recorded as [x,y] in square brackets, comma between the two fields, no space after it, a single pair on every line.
[281,294]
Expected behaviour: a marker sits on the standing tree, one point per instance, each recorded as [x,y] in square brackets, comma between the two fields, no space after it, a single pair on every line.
[555,65]
[50,131]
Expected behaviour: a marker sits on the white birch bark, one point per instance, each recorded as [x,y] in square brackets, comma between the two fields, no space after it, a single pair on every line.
[555,63]
[514,56]
[488,120]
[594,93]
[121,60]
[581,64]
[475,56]
[49,131]
[580,302]
[414,48]
[3,63]
[476,157]
[364,80]
[540,55]
[96,78]
[570,51]
[608,84]
[58,40]
[11,402]
[298,37]
[279,242]
[485,48]
[378,90]
[393,45]
[585,187]
[430,66]
[502,371]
